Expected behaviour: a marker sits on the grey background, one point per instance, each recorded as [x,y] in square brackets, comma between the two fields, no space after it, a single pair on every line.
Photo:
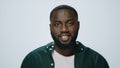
[24,26]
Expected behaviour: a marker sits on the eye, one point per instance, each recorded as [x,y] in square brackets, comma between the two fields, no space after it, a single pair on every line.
[56,24]
[70,23]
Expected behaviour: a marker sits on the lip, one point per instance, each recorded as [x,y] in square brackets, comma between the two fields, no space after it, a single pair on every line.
[64,37]
[64,34]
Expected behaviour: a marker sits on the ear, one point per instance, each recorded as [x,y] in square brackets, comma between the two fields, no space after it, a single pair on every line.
[78,25]
[50,25]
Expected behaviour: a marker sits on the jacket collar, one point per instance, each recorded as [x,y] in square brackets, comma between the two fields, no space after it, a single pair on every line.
[80,48]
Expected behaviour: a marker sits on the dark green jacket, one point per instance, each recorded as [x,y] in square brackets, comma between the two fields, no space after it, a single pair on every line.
[84,58]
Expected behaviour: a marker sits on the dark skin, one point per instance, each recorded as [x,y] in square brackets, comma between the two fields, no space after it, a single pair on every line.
[63,26]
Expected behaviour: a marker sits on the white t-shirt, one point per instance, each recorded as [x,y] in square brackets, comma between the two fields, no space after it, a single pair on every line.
[63,61]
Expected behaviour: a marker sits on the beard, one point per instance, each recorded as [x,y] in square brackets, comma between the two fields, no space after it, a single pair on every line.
[69,45]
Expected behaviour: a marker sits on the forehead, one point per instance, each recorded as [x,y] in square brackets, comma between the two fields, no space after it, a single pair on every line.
[63,13]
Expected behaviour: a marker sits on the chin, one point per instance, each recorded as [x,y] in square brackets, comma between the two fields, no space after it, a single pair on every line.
[65,43]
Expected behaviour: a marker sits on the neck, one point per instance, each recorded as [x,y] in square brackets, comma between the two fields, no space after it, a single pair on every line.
[67,52]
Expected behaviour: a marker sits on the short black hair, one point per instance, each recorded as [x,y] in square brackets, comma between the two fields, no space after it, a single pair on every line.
[64,7]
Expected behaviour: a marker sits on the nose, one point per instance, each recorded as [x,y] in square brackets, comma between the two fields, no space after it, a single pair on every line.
[64,28]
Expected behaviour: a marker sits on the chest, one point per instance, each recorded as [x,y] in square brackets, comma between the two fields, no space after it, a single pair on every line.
[61,61]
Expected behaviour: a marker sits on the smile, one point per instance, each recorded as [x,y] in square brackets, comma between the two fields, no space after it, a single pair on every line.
[64,37]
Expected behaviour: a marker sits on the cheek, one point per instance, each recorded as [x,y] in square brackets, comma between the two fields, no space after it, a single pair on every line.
[73,30]
[55,31]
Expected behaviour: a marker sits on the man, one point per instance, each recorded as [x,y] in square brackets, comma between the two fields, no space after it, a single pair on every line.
[65,51]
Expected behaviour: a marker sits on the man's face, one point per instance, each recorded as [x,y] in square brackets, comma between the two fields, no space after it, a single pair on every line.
[64,28]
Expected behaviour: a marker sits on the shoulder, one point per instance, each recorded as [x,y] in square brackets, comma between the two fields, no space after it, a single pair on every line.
[38,53]
[87,51]
[99,60]
[93,56]
[36,57]
[41,50]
